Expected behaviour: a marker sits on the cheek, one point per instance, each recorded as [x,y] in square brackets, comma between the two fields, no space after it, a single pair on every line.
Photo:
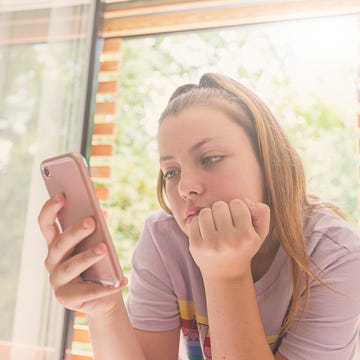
[172,195]
[176,205]
[235,185]
[169,190]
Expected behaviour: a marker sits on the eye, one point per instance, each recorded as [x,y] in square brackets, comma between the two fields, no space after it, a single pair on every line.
[170,174]
[208,160]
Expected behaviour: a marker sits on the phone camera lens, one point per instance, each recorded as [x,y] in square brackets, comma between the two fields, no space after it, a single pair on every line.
[47,172]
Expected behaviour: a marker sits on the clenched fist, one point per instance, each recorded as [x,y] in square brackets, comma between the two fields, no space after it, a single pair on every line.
[224,238]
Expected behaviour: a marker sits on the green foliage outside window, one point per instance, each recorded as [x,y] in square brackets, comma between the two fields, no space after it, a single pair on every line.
[315,103]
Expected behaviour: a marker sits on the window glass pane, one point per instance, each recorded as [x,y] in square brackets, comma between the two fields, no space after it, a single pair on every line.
[306,71]
[44,56]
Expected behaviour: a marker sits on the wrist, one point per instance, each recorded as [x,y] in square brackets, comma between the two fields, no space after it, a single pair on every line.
[231,275]
[221,282]
[109,314]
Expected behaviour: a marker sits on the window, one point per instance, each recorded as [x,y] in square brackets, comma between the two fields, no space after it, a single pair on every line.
[44,61]
[305,70]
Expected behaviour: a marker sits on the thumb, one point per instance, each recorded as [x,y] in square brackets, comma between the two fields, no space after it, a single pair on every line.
[260,217]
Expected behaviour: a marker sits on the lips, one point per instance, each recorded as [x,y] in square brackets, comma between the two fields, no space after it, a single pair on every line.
[191,214]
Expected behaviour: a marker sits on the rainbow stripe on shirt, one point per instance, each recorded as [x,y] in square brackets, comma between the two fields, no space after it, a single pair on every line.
[196,332]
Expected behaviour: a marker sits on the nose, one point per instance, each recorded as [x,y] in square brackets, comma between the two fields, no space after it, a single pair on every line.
[190,184]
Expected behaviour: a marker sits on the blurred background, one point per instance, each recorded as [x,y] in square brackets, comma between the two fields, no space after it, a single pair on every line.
[94,77]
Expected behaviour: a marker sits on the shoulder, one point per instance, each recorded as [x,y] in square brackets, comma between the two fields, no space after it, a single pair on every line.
[329,236]
[330,325]
[162,234]
[160,223]
[160,217]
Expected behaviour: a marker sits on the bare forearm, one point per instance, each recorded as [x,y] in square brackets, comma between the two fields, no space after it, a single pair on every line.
[235,324]
[113,337]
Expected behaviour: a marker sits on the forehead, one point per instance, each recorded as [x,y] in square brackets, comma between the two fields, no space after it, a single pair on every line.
[199,118]
[195,123]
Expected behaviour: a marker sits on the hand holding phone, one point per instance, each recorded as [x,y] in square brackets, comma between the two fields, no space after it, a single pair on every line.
[68,174]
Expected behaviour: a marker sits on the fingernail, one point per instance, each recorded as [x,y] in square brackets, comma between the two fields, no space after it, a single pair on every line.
[99,249]
[250,203]
[86,223]
[57,197]
[123,282]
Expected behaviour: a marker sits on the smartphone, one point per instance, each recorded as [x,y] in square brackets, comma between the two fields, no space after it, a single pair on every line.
[69,174]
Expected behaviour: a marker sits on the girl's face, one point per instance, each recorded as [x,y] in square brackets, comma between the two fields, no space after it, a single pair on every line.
[205,157]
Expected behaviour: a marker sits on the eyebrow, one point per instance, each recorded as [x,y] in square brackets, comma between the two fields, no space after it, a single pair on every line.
[192,149]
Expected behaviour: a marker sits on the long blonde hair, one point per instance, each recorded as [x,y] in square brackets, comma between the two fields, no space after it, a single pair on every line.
[284,179]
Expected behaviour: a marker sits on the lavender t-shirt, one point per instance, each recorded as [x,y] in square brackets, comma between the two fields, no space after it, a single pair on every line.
[166,290]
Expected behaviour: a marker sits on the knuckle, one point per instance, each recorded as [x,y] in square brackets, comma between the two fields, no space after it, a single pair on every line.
[41,224]
[39,219]
[93,290]
[52,281]
[219,205]
[43,213]
[205,212]
[47,263]
[42,210]
[236,202]
[58,245]
[57,294]
[265,208]
[66,268]
[89,256]
[61,298]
